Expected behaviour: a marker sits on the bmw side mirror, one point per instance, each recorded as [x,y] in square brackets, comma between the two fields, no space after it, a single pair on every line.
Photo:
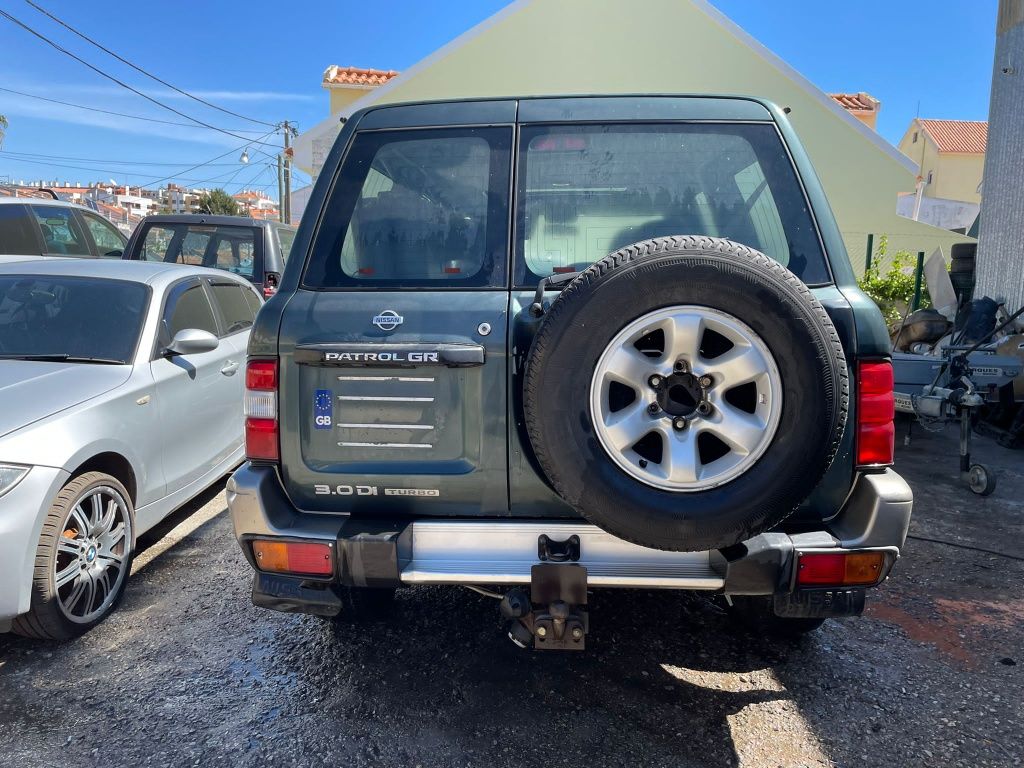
[191,341]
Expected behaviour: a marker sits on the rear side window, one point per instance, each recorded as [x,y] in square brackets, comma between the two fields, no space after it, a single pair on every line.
[192,310]
[235,310]
[417,208]
[223,247]
[585,191]
[61,233]
[16,236]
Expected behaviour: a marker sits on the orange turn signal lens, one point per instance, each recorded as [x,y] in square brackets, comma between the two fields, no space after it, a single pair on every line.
[298,557]
[839,569]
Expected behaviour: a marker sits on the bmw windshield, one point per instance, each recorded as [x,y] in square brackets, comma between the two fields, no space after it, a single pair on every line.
[70,319]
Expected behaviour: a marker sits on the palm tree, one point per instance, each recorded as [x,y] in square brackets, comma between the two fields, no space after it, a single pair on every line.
[3,129]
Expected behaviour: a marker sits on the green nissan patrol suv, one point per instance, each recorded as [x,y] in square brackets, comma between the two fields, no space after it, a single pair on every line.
[539,346]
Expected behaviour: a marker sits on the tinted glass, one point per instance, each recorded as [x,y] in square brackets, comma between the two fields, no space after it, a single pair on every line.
[229,248]
[418,208]
[235,254]
[192,310]
[285,238]
[585,191]
[104,235]
[61,233]
[235,310]
[76,316]
[16,235]
[253,300]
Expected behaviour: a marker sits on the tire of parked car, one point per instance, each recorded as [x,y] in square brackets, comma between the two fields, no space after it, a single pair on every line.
[83,559]
[685,393]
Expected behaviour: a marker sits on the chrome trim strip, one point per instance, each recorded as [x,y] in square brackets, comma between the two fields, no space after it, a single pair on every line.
[345,444]
[386,378]
[387,399]
[384,426]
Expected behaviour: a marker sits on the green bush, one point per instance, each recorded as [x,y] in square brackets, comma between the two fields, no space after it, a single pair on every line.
[892,289]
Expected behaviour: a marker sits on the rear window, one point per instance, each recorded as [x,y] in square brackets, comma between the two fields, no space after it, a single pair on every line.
[417,208]
[230,248]
[585,191]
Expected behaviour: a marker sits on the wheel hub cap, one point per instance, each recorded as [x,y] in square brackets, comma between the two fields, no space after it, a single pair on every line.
[680,395]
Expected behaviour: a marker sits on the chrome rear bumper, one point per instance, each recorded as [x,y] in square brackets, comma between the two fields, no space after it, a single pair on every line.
[503,552]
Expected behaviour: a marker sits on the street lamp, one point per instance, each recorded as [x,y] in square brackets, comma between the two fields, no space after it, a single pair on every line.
[245,157]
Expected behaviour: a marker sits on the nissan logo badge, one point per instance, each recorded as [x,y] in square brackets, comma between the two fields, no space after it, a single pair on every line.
[388,320]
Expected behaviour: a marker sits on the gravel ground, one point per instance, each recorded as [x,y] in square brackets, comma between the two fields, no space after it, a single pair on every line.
[189,672]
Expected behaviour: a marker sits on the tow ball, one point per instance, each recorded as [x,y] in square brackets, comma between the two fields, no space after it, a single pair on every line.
[552,615]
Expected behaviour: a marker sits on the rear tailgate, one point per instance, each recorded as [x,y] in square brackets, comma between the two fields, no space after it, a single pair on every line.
[392,416]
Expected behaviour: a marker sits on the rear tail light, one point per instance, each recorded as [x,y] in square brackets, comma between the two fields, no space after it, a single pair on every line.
[260,406]
[876,409]
[839,569]
[298,557]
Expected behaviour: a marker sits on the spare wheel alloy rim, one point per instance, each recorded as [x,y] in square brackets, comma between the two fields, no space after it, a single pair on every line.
[686,398]
[92,552]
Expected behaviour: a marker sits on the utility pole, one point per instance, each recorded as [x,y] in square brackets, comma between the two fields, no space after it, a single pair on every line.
[287,173]
[280,188]
[284,173]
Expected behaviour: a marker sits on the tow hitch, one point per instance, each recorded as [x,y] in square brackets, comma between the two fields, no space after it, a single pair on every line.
[552,615]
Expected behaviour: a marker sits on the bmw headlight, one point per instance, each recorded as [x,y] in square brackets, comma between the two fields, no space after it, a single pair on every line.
[10,476]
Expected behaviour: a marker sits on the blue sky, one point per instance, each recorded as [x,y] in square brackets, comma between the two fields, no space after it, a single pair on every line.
[265,61]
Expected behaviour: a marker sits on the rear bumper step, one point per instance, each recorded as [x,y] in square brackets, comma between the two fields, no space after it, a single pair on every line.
[470,552]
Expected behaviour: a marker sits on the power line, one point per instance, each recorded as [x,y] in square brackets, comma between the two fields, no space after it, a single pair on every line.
[123,84]
[200,165]
[109,112]
[148,181]
[115,171]
[32,155]
[147,74]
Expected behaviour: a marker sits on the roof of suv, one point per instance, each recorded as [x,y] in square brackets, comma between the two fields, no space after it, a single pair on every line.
[569,108]
[42,201]
[217,221]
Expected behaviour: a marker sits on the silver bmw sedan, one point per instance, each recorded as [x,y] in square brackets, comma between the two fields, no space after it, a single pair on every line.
[120,399]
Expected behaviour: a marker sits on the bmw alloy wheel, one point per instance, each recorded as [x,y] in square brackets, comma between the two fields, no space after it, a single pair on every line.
[92,554]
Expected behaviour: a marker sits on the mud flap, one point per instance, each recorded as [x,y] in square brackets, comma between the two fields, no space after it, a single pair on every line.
[292,595]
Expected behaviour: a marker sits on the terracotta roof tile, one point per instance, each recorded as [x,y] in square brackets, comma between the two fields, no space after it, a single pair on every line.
[856,102]
[959,136]
[335,75]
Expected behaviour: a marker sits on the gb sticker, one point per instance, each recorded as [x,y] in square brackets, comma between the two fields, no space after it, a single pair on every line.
[322,409]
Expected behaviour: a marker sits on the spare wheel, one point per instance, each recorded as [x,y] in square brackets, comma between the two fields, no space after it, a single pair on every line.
[685,393]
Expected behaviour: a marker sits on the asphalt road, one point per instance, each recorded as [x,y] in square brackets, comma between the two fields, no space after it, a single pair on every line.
[188,672]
